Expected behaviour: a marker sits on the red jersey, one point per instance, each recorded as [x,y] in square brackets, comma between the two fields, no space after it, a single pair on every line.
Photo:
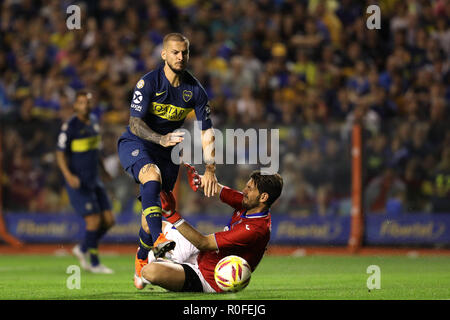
[245,235]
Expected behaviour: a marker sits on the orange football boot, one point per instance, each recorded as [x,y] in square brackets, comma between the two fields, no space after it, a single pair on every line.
[162,245]
[138,265]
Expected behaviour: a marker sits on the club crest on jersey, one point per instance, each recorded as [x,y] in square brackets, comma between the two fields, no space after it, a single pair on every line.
[187,95]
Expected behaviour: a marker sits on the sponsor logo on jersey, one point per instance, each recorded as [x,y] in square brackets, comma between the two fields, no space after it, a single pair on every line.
[169,111]
[159,93]
[136,107]
[137,97]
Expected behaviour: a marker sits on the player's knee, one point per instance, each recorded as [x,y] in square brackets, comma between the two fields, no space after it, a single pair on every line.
[108,220]
[149,172]
[153,272]
[93,222]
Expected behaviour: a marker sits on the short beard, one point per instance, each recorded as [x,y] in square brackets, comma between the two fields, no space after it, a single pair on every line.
[175,70]
[248,206]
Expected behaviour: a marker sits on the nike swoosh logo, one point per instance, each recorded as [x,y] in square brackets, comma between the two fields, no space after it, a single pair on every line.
[159,93]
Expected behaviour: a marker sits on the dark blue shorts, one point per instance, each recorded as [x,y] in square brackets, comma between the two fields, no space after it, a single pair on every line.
[87,201]
[134,153]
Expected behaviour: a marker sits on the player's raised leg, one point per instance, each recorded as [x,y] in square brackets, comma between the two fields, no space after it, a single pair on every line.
[150,236]
[141,259]
[150,178]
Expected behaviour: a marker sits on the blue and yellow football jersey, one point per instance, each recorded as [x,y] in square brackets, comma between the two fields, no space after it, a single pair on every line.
[164,107]
[81,144]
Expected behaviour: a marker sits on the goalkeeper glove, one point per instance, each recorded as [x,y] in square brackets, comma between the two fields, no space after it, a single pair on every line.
[168,204]
[193,177]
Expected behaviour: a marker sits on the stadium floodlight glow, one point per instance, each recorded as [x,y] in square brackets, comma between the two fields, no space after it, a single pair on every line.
[251,146]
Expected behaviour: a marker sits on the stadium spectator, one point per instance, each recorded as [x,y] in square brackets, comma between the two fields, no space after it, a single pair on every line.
[292,65]
[381,189]
[415,181]
[440,198]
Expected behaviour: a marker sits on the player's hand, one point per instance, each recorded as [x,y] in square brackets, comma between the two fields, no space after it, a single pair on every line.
[194,179]
[168,205]
[209,183]
[172,138]
[73,181]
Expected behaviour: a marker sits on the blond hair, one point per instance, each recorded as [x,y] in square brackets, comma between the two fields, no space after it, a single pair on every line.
[175,37]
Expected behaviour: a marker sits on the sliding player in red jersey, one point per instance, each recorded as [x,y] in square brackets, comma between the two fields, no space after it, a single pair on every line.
[196,255]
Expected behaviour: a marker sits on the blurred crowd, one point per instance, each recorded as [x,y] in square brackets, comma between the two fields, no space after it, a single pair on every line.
[311,69]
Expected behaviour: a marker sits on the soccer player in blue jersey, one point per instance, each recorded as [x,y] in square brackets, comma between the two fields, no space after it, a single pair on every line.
[161,101]
[78,158]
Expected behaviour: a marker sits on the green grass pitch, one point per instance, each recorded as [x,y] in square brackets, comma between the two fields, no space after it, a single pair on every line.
[44,277]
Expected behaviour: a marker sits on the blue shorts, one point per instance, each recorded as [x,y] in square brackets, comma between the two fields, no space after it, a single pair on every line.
[87,201]
[134,153]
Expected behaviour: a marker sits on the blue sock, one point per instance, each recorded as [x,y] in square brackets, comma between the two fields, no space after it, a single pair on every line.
[145,244]
[83,245]
[151,207]
[101,232]
[92,246]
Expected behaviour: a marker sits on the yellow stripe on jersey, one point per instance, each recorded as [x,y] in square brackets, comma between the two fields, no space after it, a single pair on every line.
[85,144]
[169,111]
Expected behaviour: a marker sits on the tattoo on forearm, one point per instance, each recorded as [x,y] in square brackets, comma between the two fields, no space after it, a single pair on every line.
[149,166]
[139,128]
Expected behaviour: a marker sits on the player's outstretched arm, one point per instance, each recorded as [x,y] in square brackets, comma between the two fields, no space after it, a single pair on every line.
[209,182]
[139,128]
[200,241]
[195,180]
[227,195]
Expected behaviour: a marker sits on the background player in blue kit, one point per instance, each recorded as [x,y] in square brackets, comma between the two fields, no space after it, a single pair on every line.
[161,101]
[78,158]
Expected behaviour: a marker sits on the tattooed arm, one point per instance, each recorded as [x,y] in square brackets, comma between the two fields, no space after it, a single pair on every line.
[139,128]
